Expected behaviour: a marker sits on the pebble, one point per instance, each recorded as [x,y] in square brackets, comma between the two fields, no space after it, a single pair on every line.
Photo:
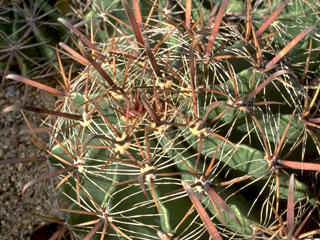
[13,178]
[10,91]
[30,227]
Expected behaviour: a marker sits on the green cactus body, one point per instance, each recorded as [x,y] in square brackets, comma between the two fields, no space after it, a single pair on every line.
[221,123]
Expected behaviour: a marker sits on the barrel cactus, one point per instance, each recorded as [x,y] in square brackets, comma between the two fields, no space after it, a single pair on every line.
[189,121]
[28,32]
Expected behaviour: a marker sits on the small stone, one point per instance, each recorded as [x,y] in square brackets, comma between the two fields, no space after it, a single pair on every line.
[10,91]
[4,188]
[20,166]
[19,185]
[30,228]
[13,178]
[13,131]
[26,221]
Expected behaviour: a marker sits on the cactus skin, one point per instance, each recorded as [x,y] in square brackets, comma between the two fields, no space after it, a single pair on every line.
[158,124]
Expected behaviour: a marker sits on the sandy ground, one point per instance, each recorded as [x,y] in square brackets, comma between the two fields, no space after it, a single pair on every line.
[17,212]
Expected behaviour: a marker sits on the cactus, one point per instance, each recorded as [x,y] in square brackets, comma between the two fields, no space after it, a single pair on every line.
[189,124]
[28,34]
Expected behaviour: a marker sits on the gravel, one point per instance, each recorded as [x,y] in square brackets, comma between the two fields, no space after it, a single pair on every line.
[17,212]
